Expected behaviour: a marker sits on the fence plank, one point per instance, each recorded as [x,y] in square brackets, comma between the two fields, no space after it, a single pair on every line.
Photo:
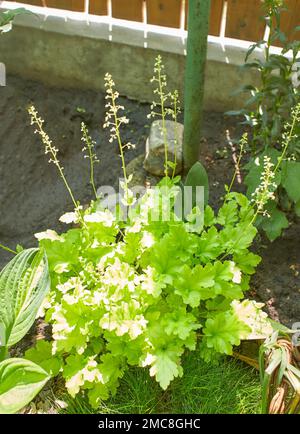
[215,16]
[34,2]
[31,2]
[242,15]
[165,13]
[243,20]
[290,19]
[132,10]
[98,7]
[70,5]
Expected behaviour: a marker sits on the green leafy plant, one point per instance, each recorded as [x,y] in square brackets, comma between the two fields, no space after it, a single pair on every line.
[268,112]
[270,103]
[24,283]
[139,300]
[7,18]
[140,290]
[285,195]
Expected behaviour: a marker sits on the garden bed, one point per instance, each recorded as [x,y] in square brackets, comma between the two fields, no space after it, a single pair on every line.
[33,197]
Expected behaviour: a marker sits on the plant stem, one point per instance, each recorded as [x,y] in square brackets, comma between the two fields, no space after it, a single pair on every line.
[119,138]
[92,182]
[163,117]
[3,353]
[89,144]
[49,148]
[237,165]
[67,186]
[176,138]
[7,249]
[289,138]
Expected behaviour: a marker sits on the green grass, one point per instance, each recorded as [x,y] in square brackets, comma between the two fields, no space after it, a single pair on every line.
[230,387]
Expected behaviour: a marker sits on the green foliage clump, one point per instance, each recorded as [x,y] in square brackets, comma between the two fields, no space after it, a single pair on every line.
[139,286]
[7,18]
[267,112]
[138,293]
[285,189]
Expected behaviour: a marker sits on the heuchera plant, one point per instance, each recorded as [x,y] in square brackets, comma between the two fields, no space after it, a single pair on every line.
[141,291]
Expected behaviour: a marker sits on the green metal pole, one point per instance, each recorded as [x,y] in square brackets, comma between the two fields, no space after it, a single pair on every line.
[198,24]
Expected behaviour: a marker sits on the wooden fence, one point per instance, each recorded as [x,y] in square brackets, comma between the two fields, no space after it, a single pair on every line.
[239,19]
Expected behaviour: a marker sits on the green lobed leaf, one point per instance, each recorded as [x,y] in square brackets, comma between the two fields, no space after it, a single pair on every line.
[223,331]
[42,355]
[166,367]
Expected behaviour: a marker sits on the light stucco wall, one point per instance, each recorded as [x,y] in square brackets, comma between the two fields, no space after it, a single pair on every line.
[76,53]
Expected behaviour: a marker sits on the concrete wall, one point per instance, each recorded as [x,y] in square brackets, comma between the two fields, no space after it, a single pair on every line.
[75,53]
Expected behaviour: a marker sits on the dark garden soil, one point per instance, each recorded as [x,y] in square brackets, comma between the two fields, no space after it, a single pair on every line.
[32,196]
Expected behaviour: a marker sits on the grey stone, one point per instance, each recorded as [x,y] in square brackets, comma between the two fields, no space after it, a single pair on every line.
[155,149]
[139,175]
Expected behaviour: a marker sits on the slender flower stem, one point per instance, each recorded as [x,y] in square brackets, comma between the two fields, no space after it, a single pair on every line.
[163,100]
[114,120]
[296,113]
[7,249]
[89,147]
[119,138]
[243,142]
[163,117]
[52,151]
[176,111]
[92,181]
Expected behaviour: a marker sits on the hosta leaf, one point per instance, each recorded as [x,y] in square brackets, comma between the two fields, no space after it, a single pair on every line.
[297,208]
[197,177]
[274,224]
[20,381]
[291,179]
[24,283]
